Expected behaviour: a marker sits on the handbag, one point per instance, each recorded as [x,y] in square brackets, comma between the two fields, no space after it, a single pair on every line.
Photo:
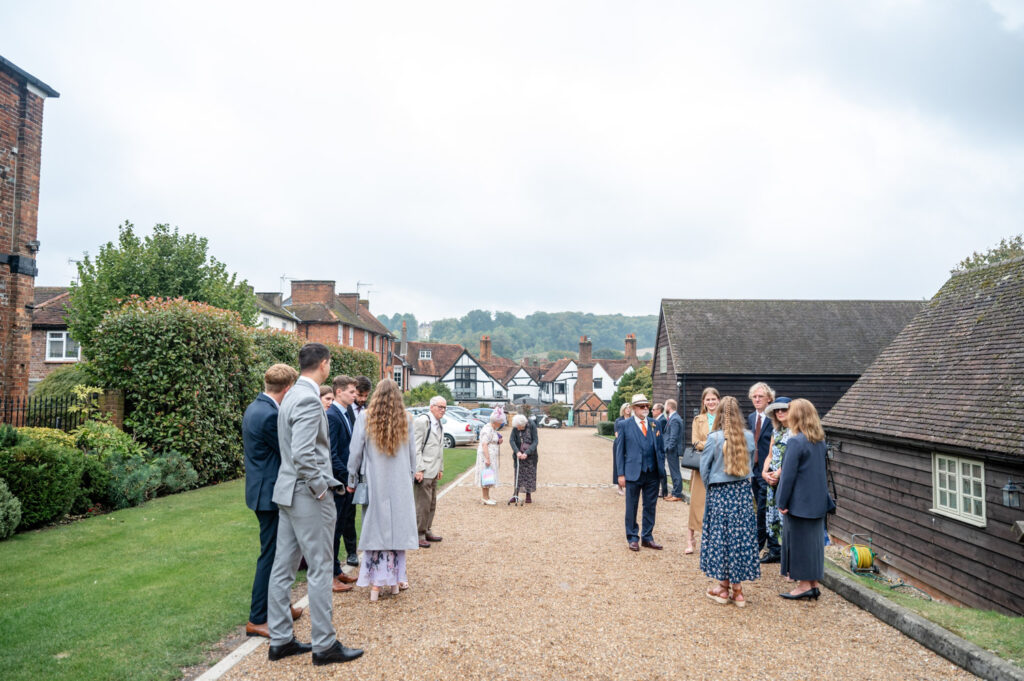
[691,459]
[361,496]
[487,477]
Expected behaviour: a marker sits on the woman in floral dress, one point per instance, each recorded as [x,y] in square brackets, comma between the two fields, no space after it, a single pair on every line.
[778,412]
[487,454]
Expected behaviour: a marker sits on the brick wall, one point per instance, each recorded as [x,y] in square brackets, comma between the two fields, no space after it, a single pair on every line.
[319,333]
[21,132]
[312,291]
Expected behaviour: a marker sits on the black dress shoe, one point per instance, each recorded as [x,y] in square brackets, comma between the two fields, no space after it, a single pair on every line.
[812,593]
[293,647]
[633,546]
[652,545]
[771,558]
[336,653]
[353,560]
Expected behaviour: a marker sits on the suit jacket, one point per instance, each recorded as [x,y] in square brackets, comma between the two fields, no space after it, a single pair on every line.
[262,453]
[803,484]
[674,435]
[631,445]
[341,436]
[305,444]
[429,448]
[764,443]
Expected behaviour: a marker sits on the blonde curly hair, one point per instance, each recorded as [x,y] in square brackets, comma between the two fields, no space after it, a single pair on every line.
[387,423]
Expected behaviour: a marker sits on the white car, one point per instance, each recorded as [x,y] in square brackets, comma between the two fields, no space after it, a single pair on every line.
[456,430]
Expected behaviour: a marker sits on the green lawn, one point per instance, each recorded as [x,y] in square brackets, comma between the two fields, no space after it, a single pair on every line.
[135,594]
[1001,634]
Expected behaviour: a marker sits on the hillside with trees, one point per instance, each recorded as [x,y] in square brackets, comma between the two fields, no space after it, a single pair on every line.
[538,333]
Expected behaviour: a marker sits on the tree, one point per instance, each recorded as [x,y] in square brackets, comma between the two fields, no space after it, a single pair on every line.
[554,355]
[608,353]
[1007,248]
[637,381]
[165,264]
[421,394]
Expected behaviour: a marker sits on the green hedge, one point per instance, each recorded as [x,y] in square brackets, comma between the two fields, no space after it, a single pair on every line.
[606,428]
[282,347]
[44,476]
[10,511]
[185,370]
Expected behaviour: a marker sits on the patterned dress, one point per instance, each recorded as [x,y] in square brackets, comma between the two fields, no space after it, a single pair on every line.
[728,546]
[773,519]
[528,466]
[489,441]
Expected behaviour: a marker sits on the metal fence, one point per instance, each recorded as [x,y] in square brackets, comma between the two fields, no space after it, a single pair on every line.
[40,412]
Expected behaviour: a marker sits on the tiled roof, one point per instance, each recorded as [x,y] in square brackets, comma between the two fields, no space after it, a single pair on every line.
[555,370]
[313,312]
[591,400]
[365,320]
[615,367]
[766,337]
[49,310]
[442,357]
[340,313]
[955,374]
[44,293]
[268,307]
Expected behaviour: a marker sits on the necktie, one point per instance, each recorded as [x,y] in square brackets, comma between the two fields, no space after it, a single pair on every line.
[351,417]
[643,427]
[757,429]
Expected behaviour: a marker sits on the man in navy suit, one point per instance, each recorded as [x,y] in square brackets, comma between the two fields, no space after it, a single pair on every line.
[640,464]
[341,419]
[673,432]
[761,426]
[262,460]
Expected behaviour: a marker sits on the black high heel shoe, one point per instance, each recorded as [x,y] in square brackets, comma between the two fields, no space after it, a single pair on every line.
[811,593]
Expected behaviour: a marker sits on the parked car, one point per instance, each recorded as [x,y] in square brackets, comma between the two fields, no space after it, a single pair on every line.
[484,414]
[456,431]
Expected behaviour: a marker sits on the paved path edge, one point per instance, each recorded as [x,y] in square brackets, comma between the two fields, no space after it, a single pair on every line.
[960,652]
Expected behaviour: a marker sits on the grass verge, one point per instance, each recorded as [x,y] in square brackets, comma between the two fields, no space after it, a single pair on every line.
[1000,634]
[137,594]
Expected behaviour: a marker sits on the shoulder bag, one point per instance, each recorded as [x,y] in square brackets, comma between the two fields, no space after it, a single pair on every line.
[690,459]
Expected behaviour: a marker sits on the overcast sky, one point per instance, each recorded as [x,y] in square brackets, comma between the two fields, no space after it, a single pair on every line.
[592,156]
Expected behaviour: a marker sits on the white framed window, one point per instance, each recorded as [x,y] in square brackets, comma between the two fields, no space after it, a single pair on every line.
[398,376]
[366,340]
[60,347]
[598,383]
[424,354]
[663,360]
[958,488]
[351,337]
[376,343]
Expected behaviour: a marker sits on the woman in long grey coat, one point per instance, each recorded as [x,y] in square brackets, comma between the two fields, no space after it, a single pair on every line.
[383,445]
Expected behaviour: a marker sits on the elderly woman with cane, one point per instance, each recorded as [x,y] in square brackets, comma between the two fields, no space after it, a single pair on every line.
[524,452]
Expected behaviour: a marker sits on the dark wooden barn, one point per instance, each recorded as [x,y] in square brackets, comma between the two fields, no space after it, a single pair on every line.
[814,349]
[926,440]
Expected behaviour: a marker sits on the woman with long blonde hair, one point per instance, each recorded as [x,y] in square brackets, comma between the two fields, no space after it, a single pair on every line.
[728,548]
[803,500]
[383,445]
[699,429]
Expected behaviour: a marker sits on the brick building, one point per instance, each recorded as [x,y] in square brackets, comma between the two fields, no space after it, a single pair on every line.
[21,137]
[52,346]
[342,318]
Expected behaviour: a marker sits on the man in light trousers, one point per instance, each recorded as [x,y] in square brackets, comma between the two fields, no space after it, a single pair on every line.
[429,468]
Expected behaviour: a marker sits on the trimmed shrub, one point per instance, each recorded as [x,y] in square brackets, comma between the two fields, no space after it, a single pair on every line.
[8,436]
[60,382]
[49,435]
[103,439]
[44,476]
[185,370]
[352,362]
[94,490]
[421,394]
[10,511]
[606,428]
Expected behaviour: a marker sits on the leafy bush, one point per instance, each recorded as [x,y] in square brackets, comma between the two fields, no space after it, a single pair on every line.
[421,394]
[636,381]
[10,511]
[60,382]
[352,362]
[94,489]
[103,439]
[606,428]
[185,370]
[8,436]
[49,435]
[44,476]
[274,347]
[559,411]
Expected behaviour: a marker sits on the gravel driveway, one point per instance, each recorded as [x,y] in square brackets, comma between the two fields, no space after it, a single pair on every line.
[550,591]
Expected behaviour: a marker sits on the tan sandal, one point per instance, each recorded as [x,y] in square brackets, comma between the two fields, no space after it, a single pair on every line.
[716,594]
[742,602]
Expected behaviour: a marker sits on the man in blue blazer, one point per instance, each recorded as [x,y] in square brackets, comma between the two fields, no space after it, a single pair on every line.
[262,460]
[673,432]
[761,426]
[640,464]
[341,419]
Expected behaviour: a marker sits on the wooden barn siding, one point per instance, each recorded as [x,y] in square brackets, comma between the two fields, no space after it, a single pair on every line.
[886,493]
[663,384]
[822,391]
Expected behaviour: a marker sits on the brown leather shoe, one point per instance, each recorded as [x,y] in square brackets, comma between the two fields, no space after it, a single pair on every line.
[633,546]
[652,545]
[424,544]
[431,537]
[671,498]
[345,579]
[257,629]
[340,587]
[296,612]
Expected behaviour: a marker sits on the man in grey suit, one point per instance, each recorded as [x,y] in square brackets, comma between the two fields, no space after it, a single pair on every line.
[307,515]
[429,468]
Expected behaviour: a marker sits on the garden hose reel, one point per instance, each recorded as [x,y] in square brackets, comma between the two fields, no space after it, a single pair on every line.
[862,557]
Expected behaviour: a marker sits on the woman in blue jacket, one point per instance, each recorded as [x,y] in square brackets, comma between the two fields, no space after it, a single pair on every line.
[803,500]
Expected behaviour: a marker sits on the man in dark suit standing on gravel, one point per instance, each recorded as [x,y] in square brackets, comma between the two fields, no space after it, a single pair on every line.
[640,464]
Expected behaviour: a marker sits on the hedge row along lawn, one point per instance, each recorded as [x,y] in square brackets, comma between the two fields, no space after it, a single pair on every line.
[135,594]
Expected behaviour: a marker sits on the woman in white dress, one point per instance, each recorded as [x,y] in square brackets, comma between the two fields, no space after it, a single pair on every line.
[487,455]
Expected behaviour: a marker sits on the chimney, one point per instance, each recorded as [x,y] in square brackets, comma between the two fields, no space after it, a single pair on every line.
[272,298]
[631,348]
[485,349]
[585,375]
[312,291]
[365,302]
[405,340]
[349,300]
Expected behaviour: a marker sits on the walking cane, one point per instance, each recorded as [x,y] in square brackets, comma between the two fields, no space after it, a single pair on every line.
[515,485]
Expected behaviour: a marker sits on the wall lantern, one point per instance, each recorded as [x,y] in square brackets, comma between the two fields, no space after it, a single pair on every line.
[1011,494]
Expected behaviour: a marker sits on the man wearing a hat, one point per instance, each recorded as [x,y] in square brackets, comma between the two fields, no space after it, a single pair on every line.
[640,466]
